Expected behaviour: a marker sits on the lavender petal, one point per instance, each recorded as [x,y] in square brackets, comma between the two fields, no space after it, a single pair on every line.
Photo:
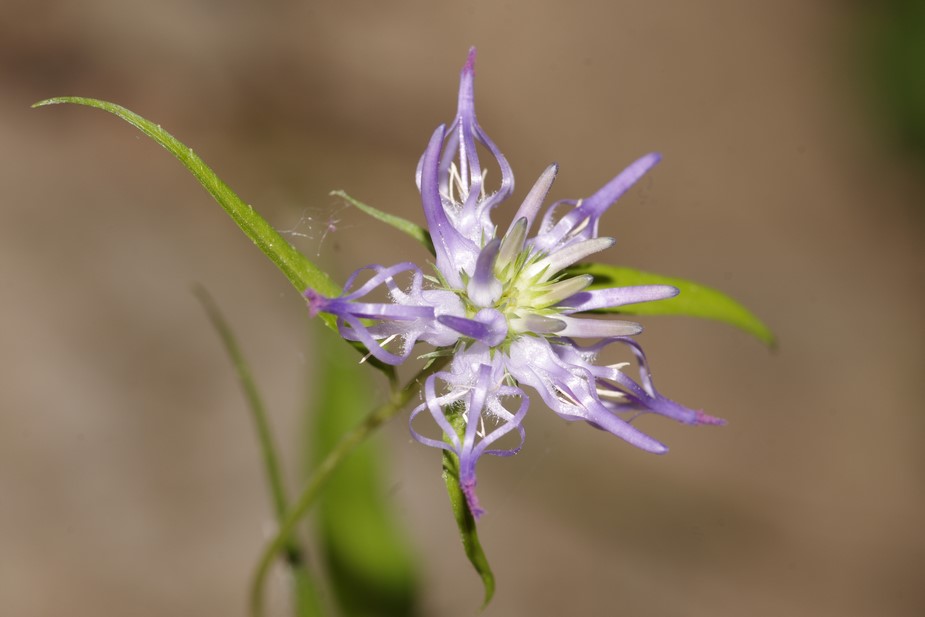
[615,296]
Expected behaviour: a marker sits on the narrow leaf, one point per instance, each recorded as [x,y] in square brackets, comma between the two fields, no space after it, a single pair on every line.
[695,300]
[300,271]
[415,231]
[305,589]
[464,519]
[369,562]
[321,474]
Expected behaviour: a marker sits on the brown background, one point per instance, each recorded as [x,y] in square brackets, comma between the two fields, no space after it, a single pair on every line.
[129,477]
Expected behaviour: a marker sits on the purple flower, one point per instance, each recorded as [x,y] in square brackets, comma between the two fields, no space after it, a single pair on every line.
[505,306]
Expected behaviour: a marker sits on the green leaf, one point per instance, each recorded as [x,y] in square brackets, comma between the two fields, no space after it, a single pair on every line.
[300,271]
[371,567]
[415,231]
[464,519]
[695,300]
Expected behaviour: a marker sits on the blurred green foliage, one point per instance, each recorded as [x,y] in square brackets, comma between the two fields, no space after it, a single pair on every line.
[370,566]
[897,53]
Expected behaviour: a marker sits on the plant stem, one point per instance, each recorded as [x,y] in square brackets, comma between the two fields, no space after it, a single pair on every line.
[376,418]
[306,591]
[254,402]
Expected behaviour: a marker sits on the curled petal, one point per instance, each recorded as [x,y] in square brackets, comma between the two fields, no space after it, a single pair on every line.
[408,317]
[605,197]
[370,310]
[471,132]
[458,174]
[598,416]
[511,421]
[551,217]
[636,397]
[448,243]
[653,401]
[476,389]
[569,390]
[353,329]
[382,275]
[582,221]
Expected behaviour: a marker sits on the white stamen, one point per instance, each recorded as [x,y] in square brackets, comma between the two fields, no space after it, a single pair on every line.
[579,227]
[384,342]
[455,185]
[610,394]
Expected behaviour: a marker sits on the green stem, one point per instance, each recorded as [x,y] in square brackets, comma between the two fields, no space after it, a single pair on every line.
[376,418]
[306,594]
[254,402]
[465,521]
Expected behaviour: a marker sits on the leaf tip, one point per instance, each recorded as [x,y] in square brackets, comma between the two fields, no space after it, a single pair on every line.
[488,581]
[771,341]
[763,333]
[46,102]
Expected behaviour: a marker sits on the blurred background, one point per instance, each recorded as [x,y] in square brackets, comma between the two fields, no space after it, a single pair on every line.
[792,135]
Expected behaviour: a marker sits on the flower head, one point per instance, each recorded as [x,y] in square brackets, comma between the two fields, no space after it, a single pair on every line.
[506,305]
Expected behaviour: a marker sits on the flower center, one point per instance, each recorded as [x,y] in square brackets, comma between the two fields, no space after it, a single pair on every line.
[517,293]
